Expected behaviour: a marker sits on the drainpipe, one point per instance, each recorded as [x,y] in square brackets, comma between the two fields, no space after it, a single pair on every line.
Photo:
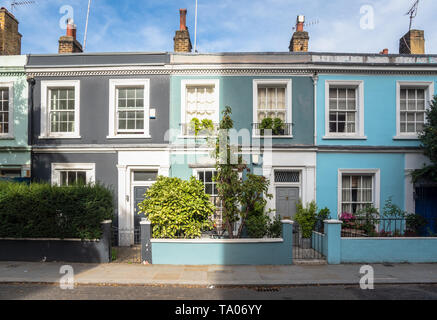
[315,81]
[31,81]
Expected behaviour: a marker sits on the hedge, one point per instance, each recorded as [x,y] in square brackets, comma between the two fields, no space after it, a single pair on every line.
[44,211]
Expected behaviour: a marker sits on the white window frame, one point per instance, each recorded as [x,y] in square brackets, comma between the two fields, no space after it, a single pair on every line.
[199,82]
[10,86]
[376,176]
[289,100]
[429,94]
[90,169]
[45,121]
[359,121]
[113,125]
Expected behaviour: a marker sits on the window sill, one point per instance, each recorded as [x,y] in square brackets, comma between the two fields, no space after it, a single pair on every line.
[130,136]
[406,137]
[6,137]
[58,137]
[194,137]
[272,137]
[344,138]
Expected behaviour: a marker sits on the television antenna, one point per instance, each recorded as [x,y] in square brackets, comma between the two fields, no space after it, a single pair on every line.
[15,4]
[195,30]
[86,25]
[309,24]
[413,12]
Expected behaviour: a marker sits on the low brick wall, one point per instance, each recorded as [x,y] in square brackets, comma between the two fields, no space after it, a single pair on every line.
[222,252]
[62,250]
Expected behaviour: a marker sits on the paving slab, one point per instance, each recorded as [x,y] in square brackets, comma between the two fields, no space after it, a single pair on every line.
[150,275]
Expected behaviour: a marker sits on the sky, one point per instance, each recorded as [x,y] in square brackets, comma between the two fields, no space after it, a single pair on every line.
[352,26]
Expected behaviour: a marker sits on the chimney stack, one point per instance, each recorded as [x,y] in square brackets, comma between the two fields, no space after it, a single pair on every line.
[182,41]
[68,43]
[10,38]
[299,41]
[413,42]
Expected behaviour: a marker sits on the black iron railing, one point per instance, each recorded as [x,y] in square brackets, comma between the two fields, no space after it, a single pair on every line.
[285,130]
[187,129]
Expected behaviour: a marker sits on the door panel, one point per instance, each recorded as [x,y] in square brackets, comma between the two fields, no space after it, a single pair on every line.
[286,200]
[139,197]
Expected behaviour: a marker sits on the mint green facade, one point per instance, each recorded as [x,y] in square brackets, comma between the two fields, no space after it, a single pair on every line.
[14,148]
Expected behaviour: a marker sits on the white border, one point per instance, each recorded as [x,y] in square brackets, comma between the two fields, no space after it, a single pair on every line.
[113,83]
[10,86]
[45,121]
[429,94]
[90,168]
[289,99]
[359,134]
[376,183]
[200,82]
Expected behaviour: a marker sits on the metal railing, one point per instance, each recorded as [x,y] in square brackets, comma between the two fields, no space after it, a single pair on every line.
[305,248]
[187,129]
[412,226]
[286,130]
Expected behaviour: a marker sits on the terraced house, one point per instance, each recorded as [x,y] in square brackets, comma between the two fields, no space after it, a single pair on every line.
[14,146]
[100,117]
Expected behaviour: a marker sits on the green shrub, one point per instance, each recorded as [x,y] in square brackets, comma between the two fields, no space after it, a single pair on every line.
[275,228]
[177,208]
[306,218]
[44,211]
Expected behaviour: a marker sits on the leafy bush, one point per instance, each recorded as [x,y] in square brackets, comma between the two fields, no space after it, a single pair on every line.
[275,228]
[260,225]
[177,208]
[44,211]
[306,218]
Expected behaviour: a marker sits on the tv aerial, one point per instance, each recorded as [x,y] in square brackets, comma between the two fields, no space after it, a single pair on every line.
[309,24]
[15,4]
[413,12]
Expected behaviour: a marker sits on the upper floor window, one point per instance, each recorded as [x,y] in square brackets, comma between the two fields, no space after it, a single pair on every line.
[272,107]
[413,99]
[60,102]
[344,110]
[200,102]
[6,110]
[129,108]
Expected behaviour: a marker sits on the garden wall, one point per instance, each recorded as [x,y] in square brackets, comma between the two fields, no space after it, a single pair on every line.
[61,250]
[394,250]
[224,252]
[319,242]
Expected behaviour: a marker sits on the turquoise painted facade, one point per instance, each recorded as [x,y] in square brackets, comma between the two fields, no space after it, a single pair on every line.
[14,148]
[379,151]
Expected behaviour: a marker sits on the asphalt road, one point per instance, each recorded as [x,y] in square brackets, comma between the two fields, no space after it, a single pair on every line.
[52,292]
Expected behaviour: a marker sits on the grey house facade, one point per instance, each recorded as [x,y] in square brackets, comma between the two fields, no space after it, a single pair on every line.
[101,118]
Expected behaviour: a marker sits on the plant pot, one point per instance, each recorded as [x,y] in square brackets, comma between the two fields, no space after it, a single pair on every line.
[305,243]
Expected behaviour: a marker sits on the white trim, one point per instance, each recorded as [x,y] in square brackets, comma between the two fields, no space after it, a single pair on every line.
[359,125]
[199,82]
[113,84]
[90,169]
[376,185]
[289,100]
[429,94]
[10,86]
[45,121]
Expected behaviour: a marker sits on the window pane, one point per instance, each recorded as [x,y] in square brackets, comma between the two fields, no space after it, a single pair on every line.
[81,177]
[145,175]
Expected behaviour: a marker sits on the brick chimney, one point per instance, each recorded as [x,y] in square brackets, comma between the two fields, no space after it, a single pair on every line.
[413,42]
[182,41]
[68,43]
[384,51]
[10,38]
[299,41]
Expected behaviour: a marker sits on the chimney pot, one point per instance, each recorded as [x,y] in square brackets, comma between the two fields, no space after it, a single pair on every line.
[183,14]
[384,51]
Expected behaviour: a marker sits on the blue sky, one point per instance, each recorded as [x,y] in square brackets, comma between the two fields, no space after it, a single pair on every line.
[225,25]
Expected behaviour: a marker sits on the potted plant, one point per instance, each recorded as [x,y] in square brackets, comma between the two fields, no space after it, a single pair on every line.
[266,124]
[306,218]
[204,127]
[278,127]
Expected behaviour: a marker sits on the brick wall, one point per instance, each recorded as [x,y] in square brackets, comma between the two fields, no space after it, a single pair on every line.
[10,38]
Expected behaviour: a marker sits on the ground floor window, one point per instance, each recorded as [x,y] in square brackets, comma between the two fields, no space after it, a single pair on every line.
[10,173]
[357,192]
[206,176]
[67,174]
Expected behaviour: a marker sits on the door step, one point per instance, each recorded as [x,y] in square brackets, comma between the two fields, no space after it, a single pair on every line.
[312,262]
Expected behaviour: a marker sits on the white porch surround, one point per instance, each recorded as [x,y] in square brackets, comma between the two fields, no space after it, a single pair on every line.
[305,162]
[128,161]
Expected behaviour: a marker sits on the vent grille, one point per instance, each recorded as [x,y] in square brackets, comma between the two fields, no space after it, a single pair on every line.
[287,176]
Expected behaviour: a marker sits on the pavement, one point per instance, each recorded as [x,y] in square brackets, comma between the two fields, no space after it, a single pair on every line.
[207,276]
